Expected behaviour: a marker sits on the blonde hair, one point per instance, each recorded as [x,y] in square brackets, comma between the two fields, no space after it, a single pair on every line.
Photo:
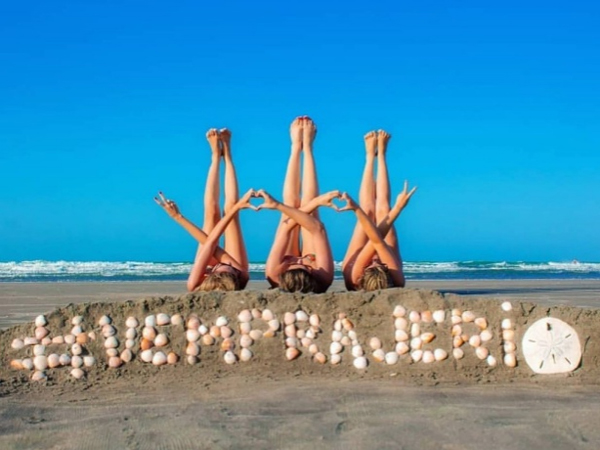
[220,281]
[375,278]
[297,280]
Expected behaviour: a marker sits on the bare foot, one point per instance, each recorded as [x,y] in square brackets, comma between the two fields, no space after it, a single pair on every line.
[212,136]
[383,138]
[371,143]
[296,132]
[225,138]
[310,131]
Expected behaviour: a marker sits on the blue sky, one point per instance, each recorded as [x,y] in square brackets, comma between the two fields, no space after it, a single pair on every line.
[494,109]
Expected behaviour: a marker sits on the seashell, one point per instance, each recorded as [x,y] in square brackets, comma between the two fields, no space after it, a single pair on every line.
[245,341]
[131,322]
[274,324]
[456,312]
[203,329]
[458,353]
[440,354]
[482,352]
[245,354]
[69,339]
[414,316]
[486,335]
[336,336]
[401,335]
[475,341]
[335,348]
[129,343]
[193,323]
[221,321]
[289,318]
[428,356]
[313,349]
[267,315]
[81,339]
[149,333]
[352,335]
[39,349]
[41,333]
[481,322]
[16,364]
[415,330]
[391,358]
[439,316]
[506,324]
[92,335]
[255,334]
[456,330]
[375,343]
[110,352]
[468,316]
[227,345]
[89,361]
[17,344]
[491,361]
[108,330]
[427,316]
[161,340]
[40,321]
[114,362]
[256,313]
[300,334]
[192,335]
[78,374]
[301,316]
[378,355]
[337,325]
[290,330]
[314,320]
[506,306]
[401,323]
[207,339]
[399,311]
[76,330]
[104,320]
[341,316]
[150,321]
[159,359]
[146,344]
[427,337]
[58,340]
[126,355]
[306,342]
[131,333]
[455,320]
[163,319]
[76,361]
[464,337]
[357,351]
[508,335]
[53,360]
[402,348]
[245,328]
[417,355]
[27,364]
[230,357]
[347,324]
[64,360]
[111,342]
[40,362]
[192,349]
[226,332]
[457,341]
[38,376]
[416,343]
[291,342]
[215,331]
[146,356]
[360,362]
[320,358]
[192,360]
[172,357]
[335,359]
[176,320]
[509,347]
[269,333]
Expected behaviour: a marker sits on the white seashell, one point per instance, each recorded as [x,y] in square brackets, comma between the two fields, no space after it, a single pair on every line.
[39,349]
[414,316]
[468,316]
[402,348]
[41,333]
[455,320]
[274,324]
[192,360]
[391,358]
[506,306]
[230,357]
[267,315]
[92,335]
[64,359]
[551,346]
[417,355]
[110,352]
[375,343]
[69,339]
[314,320]
[335,359]
[506,324]
[357,351]
[335,348]
[38,376]
[149,333]
[131,322]
[159,359]
[475,341]
[34,341]
[193,323]
[203,329]
[256,313]
[176,319]
[300,333]
[77,320]
[162,319]
[291,342]
[131,333]
[40,362]
[245,316]
[491,361]
[439,316]
[76,361]
[104,320]
[108,330]
[146,355]
[89,361]
[486,335]
[255,334]
[114,362]
[150,321]
[352,335]
[416,343]
[401,323]
[289,318]
[27,363]
[440,354]
[290,330]
[76,330]
[458,353]
[337,325]
[306,342]
[428,356]
[379,355]
[78,374]
[508,335]
[510,360]
[415,330]
[399,311]
[53,360]
[58,340]
[336,336]
[360,362]
[192,335]
[161,340]
[427,337]
[111,342]
[482,352]
[481,322]
[192,349]
[509,347]
[401,335]
[301,316]
[313,349]
[221,321]
[40,321]
[46,341]
[129,343]
[245,354]
[245,341]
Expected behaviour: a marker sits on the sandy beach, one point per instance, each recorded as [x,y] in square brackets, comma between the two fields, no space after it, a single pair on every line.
[272,403]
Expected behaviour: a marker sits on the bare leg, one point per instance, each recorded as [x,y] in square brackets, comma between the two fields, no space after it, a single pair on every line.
[310,185]
[234,240]
[383,188]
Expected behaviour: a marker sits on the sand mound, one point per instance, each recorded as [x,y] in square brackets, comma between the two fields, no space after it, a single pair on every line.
[372,315]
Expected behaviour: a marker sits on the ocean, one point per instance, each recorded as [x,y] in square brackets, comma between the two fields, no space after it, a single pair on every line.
[106,271]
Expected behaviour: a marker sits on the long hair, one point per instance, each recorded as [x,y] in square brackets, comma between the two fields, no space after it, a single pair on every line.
[375,278]
[220,281]
[297,280]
